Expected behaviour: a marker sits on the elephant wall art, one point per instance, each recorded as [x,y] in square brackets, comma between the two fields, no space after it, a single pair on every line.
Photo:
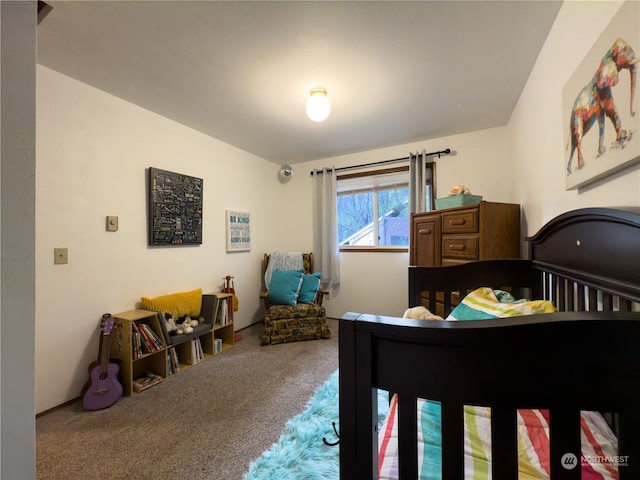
[602,123]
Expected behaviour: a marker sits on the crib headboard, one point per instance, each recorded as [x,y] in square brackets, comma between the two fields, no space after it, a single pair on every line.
[586,261]
[589,259]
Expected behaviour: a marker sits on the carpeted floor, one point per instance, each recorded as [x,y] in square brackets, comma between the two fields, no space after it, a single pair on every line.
[207,422]
[300,453]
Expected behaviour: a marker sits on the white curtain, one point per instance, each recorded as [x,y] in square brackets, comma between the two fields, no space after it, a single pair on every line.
[325,229]
[417,180]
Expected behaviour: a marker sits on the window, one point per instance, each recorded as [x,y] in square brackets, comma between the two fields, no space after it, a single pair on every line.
[373,207]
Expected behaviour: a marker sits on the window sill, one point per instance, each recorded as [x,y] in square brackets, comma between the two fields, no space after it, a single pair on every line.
[375,249]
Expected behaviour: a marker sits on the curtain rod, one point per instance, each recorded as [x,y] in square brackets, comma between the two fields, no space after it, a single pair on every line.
[382,162]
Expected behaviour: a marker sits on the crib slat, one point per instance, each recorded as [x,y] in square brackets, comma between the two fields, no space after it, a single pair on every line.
[629,445]
[571,300]
[580,307]
[408,435]
[562,297]
[504,447]
[607,302]
[624,305]
[452,440]
[593,300]
[564,438]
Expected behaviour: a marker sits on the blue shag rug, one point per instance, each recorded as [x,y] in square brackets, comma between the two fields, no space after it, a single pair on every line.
[300,454]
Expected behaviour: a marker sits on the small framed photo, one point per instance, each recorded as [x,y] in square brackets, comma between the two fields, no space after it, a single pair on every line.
[238,230]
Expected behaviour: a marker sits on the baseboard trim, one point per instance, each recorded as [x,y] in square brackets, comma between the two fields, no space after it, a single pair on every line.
[57,407]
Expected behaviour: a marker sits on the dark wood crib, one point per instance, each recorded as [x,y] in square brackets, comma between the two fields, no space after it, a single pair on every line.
[585,357]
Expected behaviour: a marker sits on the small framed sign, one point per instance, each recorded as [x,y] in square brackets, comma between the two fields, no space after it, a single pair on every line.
[238,231]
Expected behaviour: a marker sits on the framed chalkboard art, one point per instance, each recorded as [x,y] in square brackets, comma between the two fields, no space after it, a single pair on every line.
[175,208]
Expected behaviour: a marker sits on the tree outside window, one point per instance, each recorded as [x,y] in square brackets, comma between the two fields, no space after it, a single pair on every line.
[373,209]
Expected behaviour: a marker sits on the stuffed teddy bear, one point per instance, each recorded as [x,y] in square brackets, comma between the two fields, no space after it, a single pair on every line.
[459,190]
[191,321]
[186,325]
[420,313]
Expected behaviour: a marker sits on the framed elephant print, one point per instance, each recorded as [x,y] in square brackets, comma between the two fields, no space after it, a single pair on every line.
[600,104]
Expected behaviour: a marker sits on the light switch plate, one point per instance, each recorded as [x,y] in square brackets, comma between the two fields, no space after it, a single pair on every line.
[112,224]
[60,256]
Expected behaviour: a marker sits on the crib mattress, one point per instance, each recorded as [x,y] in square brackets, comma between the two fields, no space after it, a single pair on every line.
[599,444]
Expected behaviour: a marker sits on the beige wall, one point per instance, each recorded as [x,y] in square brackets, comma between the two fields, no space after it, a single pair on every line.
[93,149]
[377,282]
[536,130]
[92,152]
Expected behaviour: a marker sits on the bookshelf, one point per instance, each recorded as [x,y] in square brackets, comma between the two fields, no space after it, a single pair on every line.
[223,325]
[158,361]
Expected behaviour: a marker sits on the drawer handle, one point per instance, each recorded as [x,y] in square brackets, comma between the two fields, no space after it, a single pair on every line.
[425,231]
[456,246]
[456,221]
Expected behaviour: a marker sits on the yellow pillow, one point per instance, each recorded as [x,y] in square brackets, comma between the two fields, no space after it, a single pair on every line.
[177,304]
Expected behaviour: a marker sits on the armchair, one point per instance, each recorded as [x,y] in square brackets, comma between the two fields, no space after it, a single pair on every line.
[303,317]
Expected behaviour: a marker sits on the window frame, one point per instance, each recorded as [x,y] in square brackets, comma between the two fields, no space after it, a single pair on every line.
[385,171]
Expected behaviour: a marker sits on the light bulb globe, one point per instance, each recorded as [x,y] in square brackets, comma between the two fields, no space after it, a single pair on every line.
[318,105]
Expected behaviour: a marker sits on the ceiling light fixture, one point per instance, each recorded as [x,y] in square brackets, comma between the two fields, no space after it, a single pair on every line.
[318,106]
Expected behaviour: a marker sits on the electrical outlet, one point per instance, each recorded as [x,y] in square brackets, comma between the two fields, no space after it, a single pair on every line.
[60,256]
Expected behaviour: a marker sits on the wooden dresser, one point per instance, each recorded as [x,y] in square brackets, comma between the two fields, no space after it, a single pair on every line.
[484,231]
[452,236]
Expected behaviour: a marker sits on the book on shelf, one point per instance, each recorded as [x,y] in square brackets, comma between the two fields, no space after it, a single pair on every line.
[148,380]
[197,354]
[173,361]
[135,341]
[199,349]
[136,345]
[149,340]
[224,317]
[225,311]
[217,345]
[145,344]
[229,310]
[153,339]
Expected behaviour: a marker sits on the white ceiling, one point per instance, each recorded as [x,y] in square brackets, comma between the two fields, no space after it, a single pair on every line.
[395,72]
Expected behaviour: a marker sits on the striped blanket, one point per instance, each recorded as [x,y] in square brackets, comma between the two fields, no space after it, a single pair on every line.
[599,445]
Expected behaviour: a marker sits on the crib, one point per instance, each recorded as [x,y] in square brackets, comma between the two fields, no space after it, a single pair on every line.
[584,357]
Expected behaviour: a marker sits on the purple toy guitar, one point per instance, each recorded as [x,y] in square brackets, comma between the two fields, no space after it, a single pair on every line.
[103,389]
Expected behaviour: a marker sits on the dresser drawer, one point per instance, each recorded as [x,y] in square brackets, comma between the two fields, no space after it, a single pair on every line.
[460,222]
[425,241]
[460,246]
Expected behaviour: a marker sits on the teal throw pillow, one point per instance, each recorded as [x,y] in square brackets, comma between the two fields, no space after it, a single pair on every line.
[285,287]
[309,288]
